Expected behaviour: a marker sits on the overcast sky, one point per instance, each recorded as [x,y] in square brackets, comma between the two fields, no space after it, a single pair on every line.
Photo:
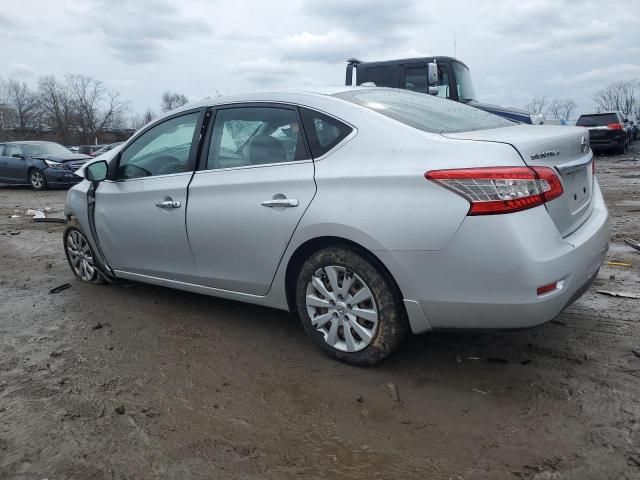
[515,48]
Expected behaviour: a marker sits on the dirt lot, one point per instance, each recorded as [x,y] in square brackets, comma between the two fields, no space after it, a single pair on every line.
[131,381]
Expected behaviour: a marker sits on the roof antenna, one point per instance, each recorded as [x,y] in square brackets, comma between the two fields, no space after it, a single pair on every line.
[455,49]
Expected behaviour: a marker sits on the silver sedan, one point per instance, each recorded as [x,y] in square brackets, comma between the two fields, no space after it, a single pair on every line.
[371,212]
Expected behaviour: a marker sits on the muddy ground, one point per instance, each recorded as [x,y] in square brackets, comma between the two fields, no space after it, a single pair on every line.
[131,381]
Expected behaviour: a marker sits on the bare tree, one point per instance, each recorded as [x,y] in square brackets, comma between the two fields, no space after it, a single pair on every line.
[554,110]
[96,105]
[561,108]
[58,106]
[171,101]
[536,105]
[621,96]
[568,106]
[139,121]
[25,103]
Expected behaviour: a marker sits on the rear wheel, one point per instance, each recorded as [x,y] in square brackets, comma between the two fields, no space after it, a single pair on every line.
[81,257]
[37,179]
[349,307]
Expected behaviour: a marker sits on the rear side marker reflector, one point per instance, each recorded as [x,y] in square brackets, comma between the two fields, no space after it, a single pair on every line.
[547,288]
[496,190]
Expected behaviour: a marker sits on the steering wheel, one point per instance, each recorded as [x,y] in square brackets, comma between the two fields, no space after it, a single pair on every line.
[171,165]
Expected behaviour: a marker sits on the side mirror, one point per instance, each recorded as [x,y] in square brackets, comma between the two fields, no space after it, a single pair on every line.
[433,91]
[96,172]
[432,73]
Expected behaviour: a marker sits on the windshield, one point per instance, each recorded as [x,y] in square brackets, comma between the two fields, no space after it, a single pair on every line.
[597,120]
[35,149]
[466,92]
[424,112]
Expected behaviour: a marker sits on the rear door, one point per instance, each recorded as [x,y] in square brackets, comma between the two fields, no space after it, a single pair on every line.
[255,182]
[140,211]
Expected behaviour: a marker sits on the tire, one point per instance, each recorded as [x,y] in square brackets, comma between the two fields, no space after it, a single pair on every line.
[368,340]
[81,257]
[621,149]
[37,179]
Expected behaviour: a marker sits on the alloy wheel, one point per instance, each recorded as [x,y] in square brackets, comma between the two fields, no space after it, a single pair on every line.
[341,306]
[37,179]
[80,256]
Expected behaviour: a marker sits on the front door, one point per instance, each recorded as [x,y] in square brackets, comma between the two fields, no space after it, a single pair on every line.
[14,165]
[140,211]
[255,184]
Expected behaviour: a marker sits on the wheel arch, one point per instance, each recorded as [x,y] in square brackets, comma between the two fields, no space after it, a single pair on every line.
[313,245]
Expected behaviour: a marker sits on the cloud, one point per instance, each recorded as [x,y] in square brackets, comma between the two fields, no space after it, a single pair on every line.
[20,70]
[373,18]
[595,34]
[264,72]
[597,76]
[143,31]
[333,46]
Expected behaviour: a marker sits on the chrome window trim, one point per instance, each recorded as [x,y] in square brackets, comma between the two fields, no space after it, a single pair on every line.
[248,167]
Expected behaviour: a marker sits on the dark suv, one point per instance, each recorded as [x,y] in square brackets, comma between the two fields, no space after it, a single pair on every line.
[607,131]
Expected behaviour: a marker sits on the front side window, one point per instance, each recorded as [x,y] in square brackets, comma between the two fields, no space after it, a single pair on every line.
[247,136]
[415,79]
[323,132]
[423,112]
[164,149]
[12,150]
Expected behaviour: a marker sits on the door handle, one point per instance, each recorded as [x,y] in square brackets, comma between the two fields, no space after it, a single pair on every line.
[168,204]
[280,202]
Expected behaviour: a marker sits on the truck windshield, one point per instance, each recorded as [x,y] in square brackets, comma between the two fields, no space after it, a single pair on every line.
[424,112]
[466,93]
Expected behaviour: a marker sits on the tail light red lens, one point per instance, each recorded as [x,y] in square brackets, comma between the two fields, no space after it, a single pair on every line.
[497,190]
[614,126]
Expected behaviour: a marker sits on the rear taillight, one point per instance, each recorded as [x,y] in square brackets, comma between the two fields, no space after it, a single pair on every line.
[614,126]
[497,190]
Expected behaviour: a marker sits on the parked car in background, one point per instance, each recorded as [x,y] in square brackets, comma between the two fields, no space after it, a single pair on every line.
[370,211]
[89,149]
[106,148]
[40,164]
[607,131]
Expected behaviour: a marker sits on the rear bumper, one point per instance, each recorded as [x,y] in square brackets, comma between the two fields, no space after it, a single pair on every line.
[612,141]
[488,275]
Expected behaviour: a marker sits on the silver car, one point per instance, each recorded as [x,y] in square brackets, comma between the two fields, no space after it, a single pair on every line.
[371,212]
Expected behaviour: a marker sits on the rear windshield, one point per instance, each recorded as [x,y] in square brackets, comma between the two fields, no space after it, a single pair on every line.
[424,112]
[599,120]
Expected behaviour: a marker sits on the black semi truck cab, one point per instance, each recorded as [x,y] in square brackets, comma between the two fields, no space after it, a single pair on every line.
[445,77]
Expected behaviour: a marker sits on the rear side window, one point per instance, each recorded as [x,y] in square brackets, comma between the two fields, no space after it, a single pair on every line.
[599,120]
[424,112]
[323,132]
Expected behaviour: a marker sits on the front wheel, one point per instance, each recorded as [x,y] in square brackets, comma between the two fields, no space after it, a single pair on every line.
[80,256]
[37,179]
[349,307]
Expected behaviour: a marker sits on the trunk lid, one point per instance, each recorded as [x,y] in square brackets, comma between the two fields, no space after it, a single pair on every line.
[566,150]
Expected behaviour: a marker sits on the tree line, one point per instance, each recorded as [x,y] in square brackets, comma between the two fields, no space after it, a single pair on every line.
[623,96]
[72,109]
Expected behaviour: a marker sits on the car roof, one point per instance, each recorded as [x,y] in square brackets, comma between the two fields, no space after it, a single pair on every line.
[31,142]
[294,95]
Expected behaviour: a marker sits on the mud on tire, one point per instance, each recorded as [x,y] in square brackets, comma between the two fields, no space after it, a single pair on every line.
[392,326]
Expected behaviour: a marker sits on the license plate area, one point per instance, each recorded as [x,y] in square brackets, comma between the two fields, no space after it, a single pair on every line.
[597,133]
[577,187]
